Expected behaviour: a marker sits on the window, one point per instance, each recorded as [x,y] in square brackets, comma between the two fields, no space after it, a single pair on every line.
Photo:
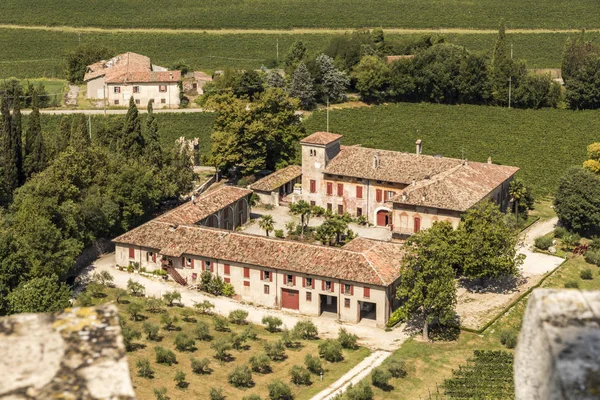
[246,272]
[162,88]
[226,269]
[359,192]
[347,289]
[267,275]
[340,209]
[378,195]
[289,280]
[328,286]
[358,179]
[207,266]
[194,86]
[312,204]
[247,283]
[188,262]
[163,101]
[308,282]
[313,186]
[136,89]
[347,303]
[266,289]
[308,296]
[131,252]
[388,195]
[367,293]
[329,188]
[359,212]
[116,102]
[329,207]
[340,189]
[117,89]
[137,101]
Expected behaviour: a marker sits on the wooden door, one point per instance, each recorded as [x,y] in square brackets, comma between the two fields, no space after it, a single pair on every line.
[417,224]
[382,218]
[290,299]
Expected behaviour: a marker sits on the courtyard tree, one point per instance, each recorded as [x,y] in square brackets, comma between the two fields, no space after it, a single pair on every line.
[577,201]
[427,288]
[517,191]
[266,223]
[302,208]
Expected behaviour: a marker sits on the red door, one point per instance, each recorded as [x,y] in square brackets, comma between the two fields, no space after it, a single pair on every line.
[382,218]
[417,224]
[290,299]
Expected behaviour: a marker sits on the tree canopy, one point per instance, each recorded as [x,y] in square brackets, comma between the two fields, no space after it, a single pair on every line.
[577,201]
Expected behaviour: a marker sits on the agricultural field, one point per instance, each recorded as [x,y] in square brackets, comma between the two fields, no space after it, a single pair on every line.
[200,384]
[56,88]
[32,53]
[271,14]
[543,143]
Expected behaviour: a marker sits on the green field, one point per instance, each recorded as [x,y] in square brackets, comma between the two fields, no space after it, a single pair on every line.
[55,88]
[269,14]
[543,143]
[31,53]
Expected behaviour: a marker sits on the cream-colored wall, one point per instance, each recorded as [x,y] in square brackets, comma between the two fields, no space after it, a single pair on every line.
[147,91]
[403,217]
[95,88]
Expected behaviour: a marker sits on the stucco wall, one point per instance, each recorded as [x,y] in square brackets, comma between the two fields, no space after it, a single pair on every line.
[147,91]
[95,88]
[403,217]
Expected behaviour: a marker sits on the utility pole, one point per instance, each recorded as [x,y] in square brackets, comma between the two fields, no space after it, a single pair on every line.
[104,94]
[327,114]
[90,126]
[510,78]
[277,51]
[79,38]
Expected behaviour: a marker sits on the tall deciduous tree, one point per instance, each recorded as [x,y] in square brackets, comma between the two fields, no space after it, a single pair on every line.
[592,164]
[427,287]
[34,153]
[81,57]
[333,82]
[487,243]
[43,294]
[131,142]
[372,78]
[152,150]
[9,154]
[302,87]
[577,201]
[295,56]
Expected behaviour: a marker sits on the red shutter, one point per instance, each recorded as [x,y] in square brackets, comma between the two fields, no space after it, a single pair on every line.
[340,189]
[329,188]
[226,269]
[192,264]
[246,283]
[313,283]
[351,290]
[385,195]
[313,186]
[294,280]
[246,272]
[203,267]
[322,285]
[367,292]
[303,281]
[227,280]
[154,257]
[378,195]
[262,275]
[332,287]
[284,279]
[131,252]
[359,192]
[271,276]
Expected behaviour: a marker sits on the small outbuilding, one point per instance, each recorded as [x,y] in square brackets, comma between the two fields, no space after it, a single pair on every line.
[275,187]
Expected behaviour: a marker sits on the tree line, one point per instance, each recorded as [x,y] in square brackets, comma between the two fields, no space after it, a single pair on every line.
[58,199]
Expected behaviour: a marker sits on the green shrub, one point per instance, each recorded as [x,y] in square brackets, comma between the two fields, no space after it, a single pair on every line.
[135,288]
[593,257]
[313,364]
[215,285]
[300,375]
[249,333]
[216,394]
[572,285]
[180,379]
[154,305]
[279,233]
[543,242]
[238,317]
[202,331]
[508,338]
[96,289]
[586,274]
[241,376]
[306,330]
[571,240]
[595,243]
[397,368]
[172,297]
[169,321]
[221,348]
[331,350]
[362,391]
[273,324]
[151,330]
[288,339]
[84,299]
[560,232]
[228,290]
[184,343]
[380,378]
[187,314]
[161,393]
[251,397]
[260,363]
[144,368]
[204,307]
[135,308]
[129,335]
[220,324]
[164,356]
[201,367]
[237,340]
[279,391]
[275,350]
[346,339]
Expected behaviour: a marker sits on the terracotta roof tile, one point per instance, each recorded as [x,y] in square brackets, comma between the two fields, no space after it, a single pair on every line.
[322,138]
[126,62]
[120,76]
[206,204]
[277,179]
[378,264]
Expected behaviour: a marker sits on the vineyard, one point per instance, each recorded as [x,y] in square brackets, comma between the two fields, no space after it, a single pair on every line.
[29,53]
[543,143]
[488,375]
[271,14]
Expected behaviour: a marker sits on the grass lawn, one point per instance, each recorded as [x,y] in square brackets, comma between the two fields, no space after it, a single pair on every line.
[199,385]
[56,88]
[428,364]
[543,209]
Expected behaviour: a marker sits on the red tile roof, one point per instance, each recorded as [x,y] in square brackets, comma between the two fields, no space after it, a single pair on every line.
[204,205]
[377,263]
[143,77]
[126,62]
[322,138]
[277,179]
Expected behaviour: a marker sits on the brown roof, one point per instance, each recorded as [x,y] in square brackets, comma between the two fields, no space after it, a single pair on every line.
[277,179]
[205,205]
[393,166]
[126,62]
[322,138]
[378,264]
[459,188]
[120,76]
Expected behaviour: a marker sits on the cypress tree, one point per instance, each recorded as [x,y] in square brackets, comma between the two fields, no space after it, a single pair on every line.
[152,149]
[80,138]
[17,139]
[65,133]
[8,157]
[502,67]
[131,142]
[35,159]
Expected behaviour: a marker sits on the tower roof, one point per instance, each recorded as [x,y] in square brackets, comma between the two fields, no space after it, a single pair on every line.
[322,138]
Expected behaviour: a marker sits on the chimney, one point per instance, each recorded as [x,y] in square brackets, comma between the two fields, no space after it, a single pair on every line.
[414,182]
[193,199]
[489,160]
[376,160]
[419,144]
[465,162]
[404,197]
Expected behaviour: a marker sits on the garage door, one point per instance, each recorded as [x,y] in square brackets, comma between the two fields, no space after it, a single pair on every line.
[290,299]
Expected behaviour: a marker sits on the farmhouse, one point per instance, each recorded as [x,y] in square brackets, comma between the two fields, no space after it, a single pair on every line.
[132,75]
[275,187]
[403,191]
